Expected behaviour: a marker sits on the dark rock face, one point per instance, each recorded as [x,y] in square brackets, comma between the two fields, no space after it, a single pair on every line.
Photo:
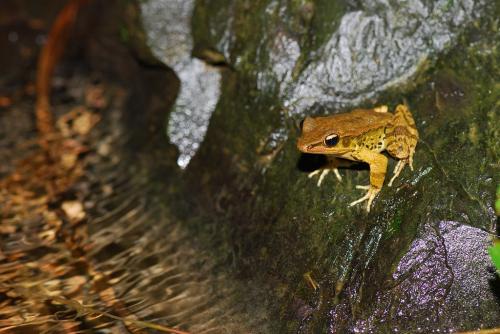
[418,262]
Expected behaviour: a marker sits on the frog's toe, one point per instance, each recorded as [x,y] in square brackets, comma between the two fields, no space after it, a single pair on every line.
[381,109]
[322,176]
[311,174]
[337,174]
[323,173]
[397,170]
[369,196]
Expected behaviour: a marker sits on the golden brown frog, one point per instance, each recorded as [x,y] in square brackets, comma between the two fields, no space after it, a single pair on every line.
[360,135]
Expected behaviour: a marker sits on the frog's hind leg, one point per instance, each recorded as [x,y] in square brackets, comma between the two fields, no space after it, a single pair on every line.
[402,139]
[378,167]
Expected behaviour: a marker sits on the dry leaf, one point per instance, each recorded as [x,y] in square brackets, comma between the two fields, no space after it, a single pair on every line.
[74,210]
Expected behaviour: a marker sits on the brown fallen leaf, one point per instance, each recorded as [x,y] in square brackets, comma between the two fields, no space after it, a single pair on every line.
[95,97]
[74,210]
[5,101]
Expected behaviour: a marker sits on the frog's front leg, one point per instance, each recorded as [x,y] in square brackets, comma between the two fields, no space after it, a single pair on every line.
[332,165]
[378,168]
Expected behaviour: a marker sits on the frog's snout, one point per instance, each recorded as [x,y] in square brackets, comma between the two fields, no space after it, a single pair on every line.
[302,146]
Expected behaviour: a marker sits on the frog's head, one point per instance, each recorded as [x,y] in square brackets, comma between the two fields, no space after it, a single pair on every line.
[319,137]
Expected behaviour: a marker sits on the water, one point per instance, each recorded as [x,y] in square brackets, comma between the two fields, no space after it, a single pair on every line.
[167,23]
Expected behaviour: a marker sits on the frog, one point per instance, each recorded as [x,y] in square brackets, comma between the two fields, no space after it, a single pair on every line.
[361,135]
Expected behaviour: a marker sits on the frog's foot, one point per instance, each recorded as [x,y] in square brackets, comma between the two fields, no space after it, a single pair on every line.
[324,172]
[399,167]
[370,196]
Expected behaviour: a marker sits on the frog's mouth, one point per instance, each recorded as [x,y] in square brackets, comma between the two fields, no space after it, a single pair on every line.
[312,146]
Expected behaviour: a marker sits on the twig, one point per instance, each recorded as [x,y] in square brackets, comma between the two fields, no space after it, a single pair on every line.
[49,56]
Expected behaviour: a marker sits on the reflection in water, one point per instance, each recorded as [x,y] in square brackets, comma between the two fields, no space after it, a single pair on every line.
[167,23]
[107,246]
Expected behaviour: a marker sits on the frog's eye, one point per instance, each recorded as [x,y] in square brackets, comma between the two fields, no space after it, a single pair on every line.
[331,140]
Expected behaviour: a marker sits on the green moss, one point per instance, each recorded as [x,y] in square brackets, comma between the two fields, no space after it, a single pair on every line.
[395,225]
[497,201]
[124,34]
[494,252]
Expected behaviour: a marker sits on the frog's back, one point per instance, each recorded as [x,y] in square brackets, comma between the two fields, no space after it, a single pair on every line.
[356,122]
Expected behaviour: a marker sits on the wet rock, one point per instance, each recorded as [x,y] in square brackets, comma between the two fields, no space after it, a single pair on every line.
[443,278]
[407,266]
[167,24]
